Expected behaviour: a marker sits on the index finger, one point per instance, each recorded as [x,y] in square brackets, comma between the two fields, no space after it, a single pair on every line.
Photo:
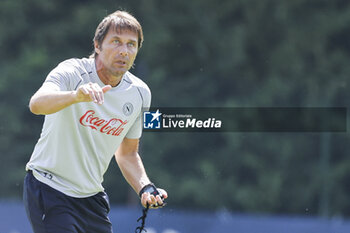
[98,93]
[145,198]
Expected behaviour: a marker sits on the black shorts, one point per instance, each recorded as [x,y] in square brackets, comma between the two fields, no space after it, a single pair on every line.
[51,211]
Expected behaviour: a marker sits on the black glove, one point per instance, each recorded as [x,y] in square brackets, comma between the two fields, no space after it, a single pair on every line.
[152,189]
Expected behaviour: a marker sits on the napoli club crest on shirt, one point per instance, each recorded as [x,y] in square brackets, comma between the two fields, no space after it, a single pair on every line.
[128,108]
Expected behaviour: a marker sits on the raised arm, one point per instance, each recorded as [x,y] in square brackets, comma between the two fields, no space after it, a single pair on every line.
[49,99]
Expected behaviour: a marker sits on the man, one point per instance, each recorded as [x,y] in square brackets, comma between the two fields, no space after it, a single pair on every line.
[93,110]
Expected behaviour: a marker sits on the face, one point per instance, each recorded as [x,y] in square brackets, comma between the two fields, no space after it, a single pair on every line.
[118,51]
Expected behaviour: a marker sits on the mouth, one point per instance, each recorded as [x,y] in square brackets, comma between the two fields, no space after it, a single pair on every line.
[122,63]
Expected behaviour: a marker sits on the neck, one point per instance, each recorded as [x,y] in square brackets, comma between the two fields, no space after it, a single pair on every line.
[106,76]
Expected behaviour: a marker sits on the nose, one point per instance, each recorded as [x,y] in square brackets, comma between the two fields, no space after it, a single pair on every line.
[123,51]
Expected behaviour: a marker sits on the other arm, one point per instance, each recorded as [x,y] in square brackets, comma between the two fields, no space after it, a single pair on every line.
[131,165]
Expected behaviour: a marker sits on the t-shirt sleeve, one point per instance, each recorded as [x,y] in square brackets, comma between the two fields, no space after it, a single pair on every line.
[62,76]
[136,129]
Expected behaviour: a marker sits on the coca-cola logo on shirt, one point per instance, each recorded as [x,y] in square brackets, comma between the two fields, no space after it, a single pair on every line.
[112,126]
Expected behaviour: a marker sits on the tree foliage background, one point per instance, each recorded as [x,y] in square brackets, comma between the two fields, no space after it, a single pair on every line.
[200,53]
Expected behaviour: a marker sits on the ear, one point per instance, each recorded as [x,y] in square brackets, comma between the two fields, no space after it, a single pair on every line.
[97,47]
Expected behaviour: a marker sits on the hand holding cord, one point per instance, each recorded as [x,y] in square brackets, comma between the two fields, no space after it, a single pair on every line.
[152,189]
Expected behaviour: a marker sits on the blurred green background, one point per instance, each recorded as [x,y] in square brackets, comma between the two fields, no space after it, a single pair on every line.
[200,53]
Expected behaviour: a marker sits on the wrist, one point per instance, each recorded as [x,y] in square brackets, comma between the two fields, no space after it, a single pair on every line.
[75,97]
[150,188]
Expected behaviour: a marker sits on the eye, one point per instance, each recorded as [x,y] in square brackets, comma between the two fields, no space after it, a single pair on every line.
[116,42]
[131,44]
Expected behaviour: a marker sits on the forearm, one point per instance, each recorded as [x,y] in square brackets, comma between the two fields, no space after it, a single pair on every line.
[50,102]
[133,170]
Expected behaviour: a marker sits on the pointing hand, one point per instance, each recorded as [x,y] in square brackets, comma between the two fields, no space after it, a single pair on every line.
[91,92]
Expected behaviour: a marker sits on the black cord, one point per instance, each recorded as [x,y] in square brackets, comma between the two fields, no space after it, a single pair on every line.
[150,188]
[143,219]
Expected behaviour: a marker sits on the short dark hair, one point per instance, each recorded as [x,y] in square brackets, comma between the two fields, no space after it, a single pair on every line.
[119,20]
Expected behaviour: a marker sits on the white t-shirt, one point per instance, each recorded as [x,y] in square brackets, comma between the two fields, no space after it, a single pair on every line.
[77,143]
